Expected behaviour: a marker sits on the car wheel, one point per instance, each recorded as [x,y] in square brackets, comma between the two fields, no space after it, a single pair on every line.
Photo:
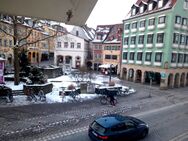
[144,134]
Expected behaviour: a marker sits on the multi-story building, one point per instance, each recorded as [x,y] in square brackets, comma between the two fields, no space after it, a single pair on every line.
[71,51]
[155,43]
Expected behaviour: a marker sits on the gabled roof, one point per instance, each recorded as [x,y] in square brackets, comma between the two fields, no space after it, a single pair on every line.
[168,5]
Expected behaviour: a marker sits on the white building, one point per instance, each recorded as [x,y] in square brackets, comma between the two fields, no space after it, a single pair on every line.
[71,51]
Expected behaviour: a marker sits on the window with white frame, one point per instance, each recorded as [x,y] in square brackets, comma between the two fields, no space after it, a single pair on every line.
[134,25]
[148,56]
[178,20]
[174,57]
[158,56]
[133,40]
[150,7]
[160,3]
[125,55]
[78,45]
[142,9]
[139,56]
[184,21]
[72,44]
[162,20]
[131,57]
[126,40]
[133,12]
[150,38]
[182,39]
[185,4]
[141,39]
[151,22]
[142,23]
[160,37]
[127,26]
[185,58]
[180,58]
[65,44]
[176,38]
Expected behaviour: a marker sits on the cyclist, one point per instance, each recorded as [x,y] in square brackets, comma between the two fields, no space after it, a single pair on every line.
[111,96]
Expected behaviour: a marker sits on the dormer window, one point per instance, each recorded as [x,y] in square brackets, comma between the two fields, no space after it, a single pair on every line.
[150,7]
[133,12]
[142,9]
[160,3]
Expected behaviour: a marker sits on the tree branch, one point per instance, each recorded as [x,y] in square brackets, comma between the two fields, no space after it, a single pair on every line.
[6,33]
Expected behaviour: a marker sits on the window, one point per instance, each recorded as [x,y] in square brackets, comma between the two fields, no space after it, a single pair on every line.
[107,56]
[182,39]
[160,37]
[78,45]
[65,44]
[176,38]
[174,58]
[187,41]
[180,58]
[131,56]
[134,25]
[150,39]
[124,55]
[184,22]
[59,44]
[150,7]
[178,20]
[139,56]
[114,57]
[141,39]
[185,58]
[10,43]
[151,22]
[127,26]
[142,9]
[126,41]
[72,44]
[162,20]
[160,3]
[133,40]
[148,56]
[158,57]
[186,4]
[133,12]
[5,43]
[142,23]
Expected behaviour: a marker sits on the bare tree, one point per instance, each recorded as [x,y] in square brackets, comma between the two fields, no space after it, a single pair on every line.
[20,37]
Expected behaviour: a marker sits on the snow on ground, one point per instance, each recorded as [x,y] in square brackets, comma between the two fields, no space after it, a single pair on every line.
[54,97]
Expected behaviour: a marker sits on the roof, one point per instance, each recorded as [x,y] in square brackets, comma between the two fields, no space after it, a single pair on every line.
[168,5]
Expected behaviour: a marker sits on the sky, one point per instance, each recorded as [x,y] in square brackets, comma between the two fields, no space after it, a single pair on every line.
[109,12]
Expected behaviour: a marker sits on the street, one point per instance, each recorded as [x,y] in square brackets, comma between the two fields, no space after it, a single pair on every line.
[164,111]
[166,124]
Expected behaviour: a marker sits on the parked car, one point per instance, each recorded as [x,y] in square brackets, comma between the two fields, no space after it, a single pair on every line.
[6,92]
[116,128]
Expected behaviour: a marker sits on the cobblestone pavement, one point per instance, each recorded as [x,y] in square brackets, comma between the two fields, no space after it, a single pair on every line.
[24,120]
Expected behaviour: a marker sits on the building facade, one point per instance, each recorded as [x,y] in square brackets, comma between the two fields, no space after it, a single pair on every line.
[70,51]
[155,43]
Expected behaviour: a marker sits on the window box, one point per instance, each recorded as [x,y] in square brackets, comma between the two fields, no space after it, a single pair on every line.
[138,62]
[159,45]
[140,45]
[177,25]
[173,65]
[131,61]
[151,27]
[161,25]
[133,30]
[149,45]
[132,46]
[147,63]
[125,46]
[157,63]
[141,29]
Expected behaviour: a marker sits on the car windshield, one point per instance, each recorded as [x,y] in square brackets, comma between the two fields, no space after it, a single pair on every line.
[98,128]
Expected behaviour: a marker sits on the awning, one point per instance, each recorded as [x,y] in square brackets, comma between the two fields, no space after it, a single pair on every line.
[73,12]
[106,66]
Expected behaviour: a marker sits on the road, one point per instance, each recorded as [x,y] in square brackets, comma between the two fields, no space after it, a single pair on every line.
[169,123]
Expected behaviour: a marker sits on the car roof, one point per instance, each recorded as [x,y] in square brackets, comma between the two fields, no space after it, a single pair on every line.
[111,120]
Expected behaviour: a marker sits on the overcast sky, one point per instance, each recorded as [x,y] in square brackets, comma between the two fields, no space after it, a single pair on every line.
[109,12]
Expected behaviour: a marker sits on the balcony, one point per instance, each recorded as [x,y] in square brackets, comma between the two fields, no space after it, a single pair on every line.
[142,29]
[125,46]
[182,46]
[149,45]
[124,61]
[174,65]
[126,31]
[131,61]
[184,27]
[175,45]
[157,63]
[140,46]
[151,27]
[147,63]
[138,62]
[132,46]
[177,25]
[134,30]
[180,65]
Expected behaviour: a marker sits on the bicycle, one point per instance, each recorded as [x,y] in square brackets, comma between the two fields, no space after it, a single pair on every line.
[105,99]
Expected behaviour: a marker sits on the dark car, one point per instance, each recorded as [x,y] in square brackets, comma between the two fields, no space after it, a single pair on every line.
[116,128]
[6,92]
